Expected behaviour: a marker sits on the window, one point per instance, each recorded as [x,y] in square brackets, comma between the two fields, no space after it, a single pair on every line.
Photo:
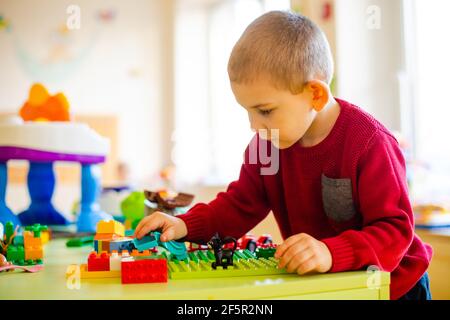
[431,105]
[211,129]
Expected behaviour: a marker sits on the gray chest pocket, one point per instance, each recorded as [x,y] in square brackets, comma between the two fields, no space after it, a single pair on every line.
[337,199]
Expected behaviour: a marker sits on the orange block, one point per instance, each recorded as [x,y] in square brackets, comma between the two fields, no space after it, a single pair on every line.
[34,253]
[30,241]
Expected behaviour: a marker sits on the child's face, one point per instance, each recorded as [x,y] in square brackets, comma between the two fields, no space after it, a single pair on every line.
[271,108]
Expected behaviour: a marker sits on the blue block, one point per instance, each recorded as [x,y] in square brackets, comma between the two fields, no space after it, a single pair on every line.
[120,245]
[146,243]
[178,249]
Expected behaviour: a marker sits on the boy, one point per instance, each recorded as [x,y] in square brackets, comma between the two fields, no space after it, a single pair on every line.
[339,195]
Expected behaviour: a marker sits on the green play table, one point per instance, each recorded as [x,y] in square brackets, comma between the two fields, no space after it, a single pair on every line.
[51,283]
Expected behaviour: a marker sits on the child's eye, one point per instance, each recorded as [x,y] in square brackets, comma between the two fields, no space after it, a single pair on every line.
[265,112]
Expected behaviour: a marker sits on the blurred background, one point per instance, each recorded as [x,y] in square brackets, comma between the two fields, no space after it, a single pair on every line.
[150,75]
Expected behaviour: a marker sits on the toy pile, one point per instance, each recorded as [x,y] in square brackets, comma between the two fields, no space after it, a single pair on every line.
[117,254]
[22,246]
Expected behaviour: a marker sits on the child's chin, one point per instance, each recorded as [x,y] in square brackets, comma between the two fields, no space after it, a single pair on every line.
[282,145]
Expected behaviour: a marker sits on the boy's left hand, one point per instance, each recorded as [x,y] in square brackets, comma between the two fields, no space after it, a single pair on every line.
[303,254]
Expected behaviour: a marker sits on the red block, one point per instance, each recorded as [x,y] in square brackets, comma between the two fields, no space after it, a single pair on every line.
[98,262]
[144,271]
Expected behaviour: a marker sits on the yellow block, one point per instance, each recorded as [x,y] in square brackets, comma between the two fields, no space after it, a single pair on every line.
[111,226]
[45,237]
[85,274]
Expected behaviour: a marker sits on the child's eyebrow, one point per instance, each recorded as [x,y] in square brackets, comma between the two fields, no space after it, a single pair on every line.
[260,105]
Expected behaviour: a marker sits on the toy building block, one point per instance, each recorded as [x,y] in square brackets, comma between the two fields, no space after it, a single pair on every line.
[133,208]
[34,253]
[45,236]
[121,244]
[97,244]
[36,229]
[240,267]
[98,262]
[107,236]
[111,227]
[115,261]
[16,254]
[147,242]
[85,274]
[80,241]
[144,271]
[145,254]
[265,252]
[178,249]
[18,240]
[9,231]
[129,232]
[29,240]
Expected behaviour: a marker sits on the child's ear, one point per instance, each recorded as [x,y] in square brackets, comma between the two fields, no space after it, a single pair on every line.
[319,92]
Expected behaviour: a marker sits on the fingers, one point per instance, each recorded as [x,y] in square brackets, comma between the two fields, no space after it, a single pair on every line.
[148,224]
[168,234]
[297,249]
[299,260]
[307,266]
[286,244]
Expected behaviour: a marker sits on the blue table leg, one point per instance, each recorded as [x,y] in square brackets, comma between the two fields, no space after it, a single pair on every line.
[5,213]
[90,213]
[41,184]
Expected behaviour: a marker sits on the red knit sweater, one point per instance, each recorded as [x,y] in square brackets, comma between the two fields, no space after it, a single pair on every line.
[349,191]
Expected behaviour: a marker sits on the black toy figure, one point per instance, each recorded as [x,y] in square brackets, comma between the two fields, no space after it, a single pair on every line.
[224,257]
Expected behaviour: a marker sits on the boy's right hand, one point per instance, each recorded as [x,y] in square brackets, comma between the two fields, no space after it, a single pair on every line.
[173,228]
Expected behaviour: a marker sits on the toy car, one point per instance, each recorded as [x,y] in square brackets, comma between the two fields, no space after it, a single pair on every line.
[195,246]
[251,242]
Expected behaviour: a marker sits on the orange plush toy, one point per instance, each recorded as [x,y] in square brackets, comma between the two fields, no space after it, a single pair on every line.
[41,106]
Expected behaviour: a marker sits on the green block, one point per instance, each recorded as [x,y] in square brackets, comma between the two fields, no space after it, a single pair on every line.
[81,241]
[242,267]
[9,230]
[36,229]
[265,253]
[15,254]
[133,207]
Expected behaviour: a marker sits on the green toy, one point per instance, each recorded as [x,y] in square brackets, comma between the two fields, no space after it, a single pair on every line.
[133,207]
[80,241]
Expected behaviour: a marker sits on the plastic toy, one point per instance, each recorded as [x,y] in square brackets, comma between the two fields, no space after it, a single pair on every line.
[85,274]
[245,263]
[110,227]
[133,207]
[26,248]
[164,201]
[80,241]
[195,246]
[251,242]
[98,262]
[43,143]
[144,271]
[43,107]
[223,257]
[148,242]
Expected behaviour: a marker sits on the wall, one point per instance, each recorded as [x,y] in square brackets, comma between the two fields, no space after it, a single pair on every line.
[370,61]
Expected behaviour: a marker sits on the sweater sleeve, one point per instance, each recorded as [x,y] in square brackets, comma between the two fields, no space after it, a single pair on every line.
[388,224]
[231,213]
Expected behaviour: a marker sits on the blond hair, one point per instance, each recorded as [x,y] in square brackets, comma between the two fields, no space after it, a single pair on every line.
[287,47]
